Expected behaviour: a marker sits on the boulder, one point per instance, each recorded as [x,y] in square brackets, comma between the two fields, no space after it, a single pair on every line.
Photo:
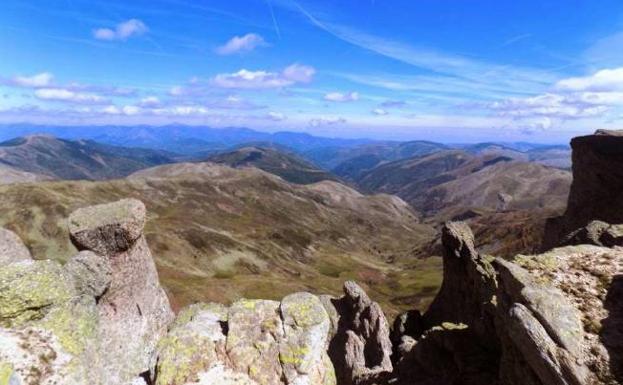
[134,311]
[12,249]
[252,342]
[361,347]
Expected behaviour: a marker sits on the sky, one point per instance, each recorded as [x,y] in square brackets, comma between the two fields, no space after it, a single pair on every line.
[449,70]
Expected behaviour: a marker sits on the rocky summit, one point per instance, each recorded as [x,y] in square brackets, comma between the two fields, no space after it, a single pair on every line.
[554,318]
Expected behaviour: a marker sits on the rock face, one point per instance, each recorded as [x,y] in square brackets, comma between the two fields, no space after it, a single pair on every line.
[597,188]
[361,347]
[252,342]
[134,311]
[542,319]
[95,320]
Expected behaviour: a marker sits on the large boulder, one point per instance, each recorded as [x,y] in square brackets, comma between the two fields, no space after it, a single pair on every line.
[252,342]
[134,311]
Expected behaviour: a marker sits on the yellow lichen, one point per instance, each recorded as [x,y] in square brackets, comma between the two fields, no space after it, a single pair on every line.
[6,371]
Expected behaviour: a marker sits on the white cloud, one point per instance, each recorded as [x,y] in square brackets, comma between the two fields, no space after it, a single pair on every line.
[341,97]
[245,79]
[548,105]
[276,116]
[240,44]
[43,79]
[150,101]
[65,95]
[326,121]
[379,111]
[122,31]
[604,80]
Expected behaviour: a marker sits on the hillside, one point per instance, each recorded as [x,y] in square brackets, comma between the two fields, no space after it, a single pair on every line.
[220,233]
[81,159]
[290,167]
[9,175]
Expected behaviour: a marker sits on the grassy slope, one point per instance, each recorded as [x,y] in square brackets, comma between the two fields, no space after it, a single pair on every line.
[219,234]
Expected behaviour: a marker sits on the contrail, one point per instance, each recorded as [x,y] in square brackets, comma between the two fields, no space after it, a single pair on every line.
[272,14]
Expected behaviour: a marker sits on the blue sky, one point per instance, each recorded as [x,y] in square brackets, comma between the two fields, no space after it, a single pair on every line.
[419,69]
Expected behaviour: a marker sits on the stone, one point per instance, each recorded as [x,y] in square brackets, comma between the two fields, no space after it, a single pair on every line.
[12,249]
[108,228]
[91,273]
[134,312]
[29,289]
[361,348]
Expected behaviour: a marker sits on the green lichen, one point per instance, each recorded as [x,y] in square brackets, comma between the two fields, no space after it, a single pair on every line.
[182,356]
[6,372]
[74,323]
[29,289]
[189,313]
[293,355]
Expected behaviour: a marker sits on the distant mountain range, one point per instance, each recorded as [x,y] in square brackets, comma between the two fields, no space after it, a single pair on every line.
[79,159]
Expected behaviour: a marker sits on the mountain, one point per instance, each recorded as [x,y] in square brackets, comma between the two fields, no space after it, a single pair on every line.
[182,139]
[287,165]
[456,180]
[220,233]
[81,159]
[350,161]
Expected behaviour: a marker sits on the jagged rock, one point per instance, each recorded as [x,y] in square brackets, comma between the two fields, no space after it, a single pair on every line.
[91,273]
[597,188]
[551,319]
[361,348]
[596,233]
[12,249]
[134,312]
[252,342]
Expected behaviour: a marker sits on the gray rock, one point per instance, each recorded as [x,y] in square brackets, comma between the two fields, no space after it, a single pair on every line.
[134,312]
[361,348]
[91,273]
[12,249]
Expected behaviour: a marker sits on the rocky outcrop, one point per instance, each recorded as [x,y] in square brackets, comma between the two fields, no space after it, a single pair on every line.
[360,348]
[134,311]
[597,188]
[95,320]
[251,342]
[542,319]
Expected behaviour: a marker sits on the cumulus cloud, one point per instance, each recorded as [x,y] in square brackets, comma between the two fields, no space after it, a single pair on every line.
[245,79]
[65,95]
[326,121]
[341,97]
[241,44]
[43,79]
[379,111]
[122,31]
[601,81]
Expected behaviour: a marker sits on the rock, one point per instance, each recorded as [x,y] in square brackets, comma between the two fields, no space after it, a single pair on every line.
[91,273]
[361,348]
[302,352]
[29,289]
[11,248]
[596,233]
[597,188]
[251,342]
[109,228]
[134,312]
